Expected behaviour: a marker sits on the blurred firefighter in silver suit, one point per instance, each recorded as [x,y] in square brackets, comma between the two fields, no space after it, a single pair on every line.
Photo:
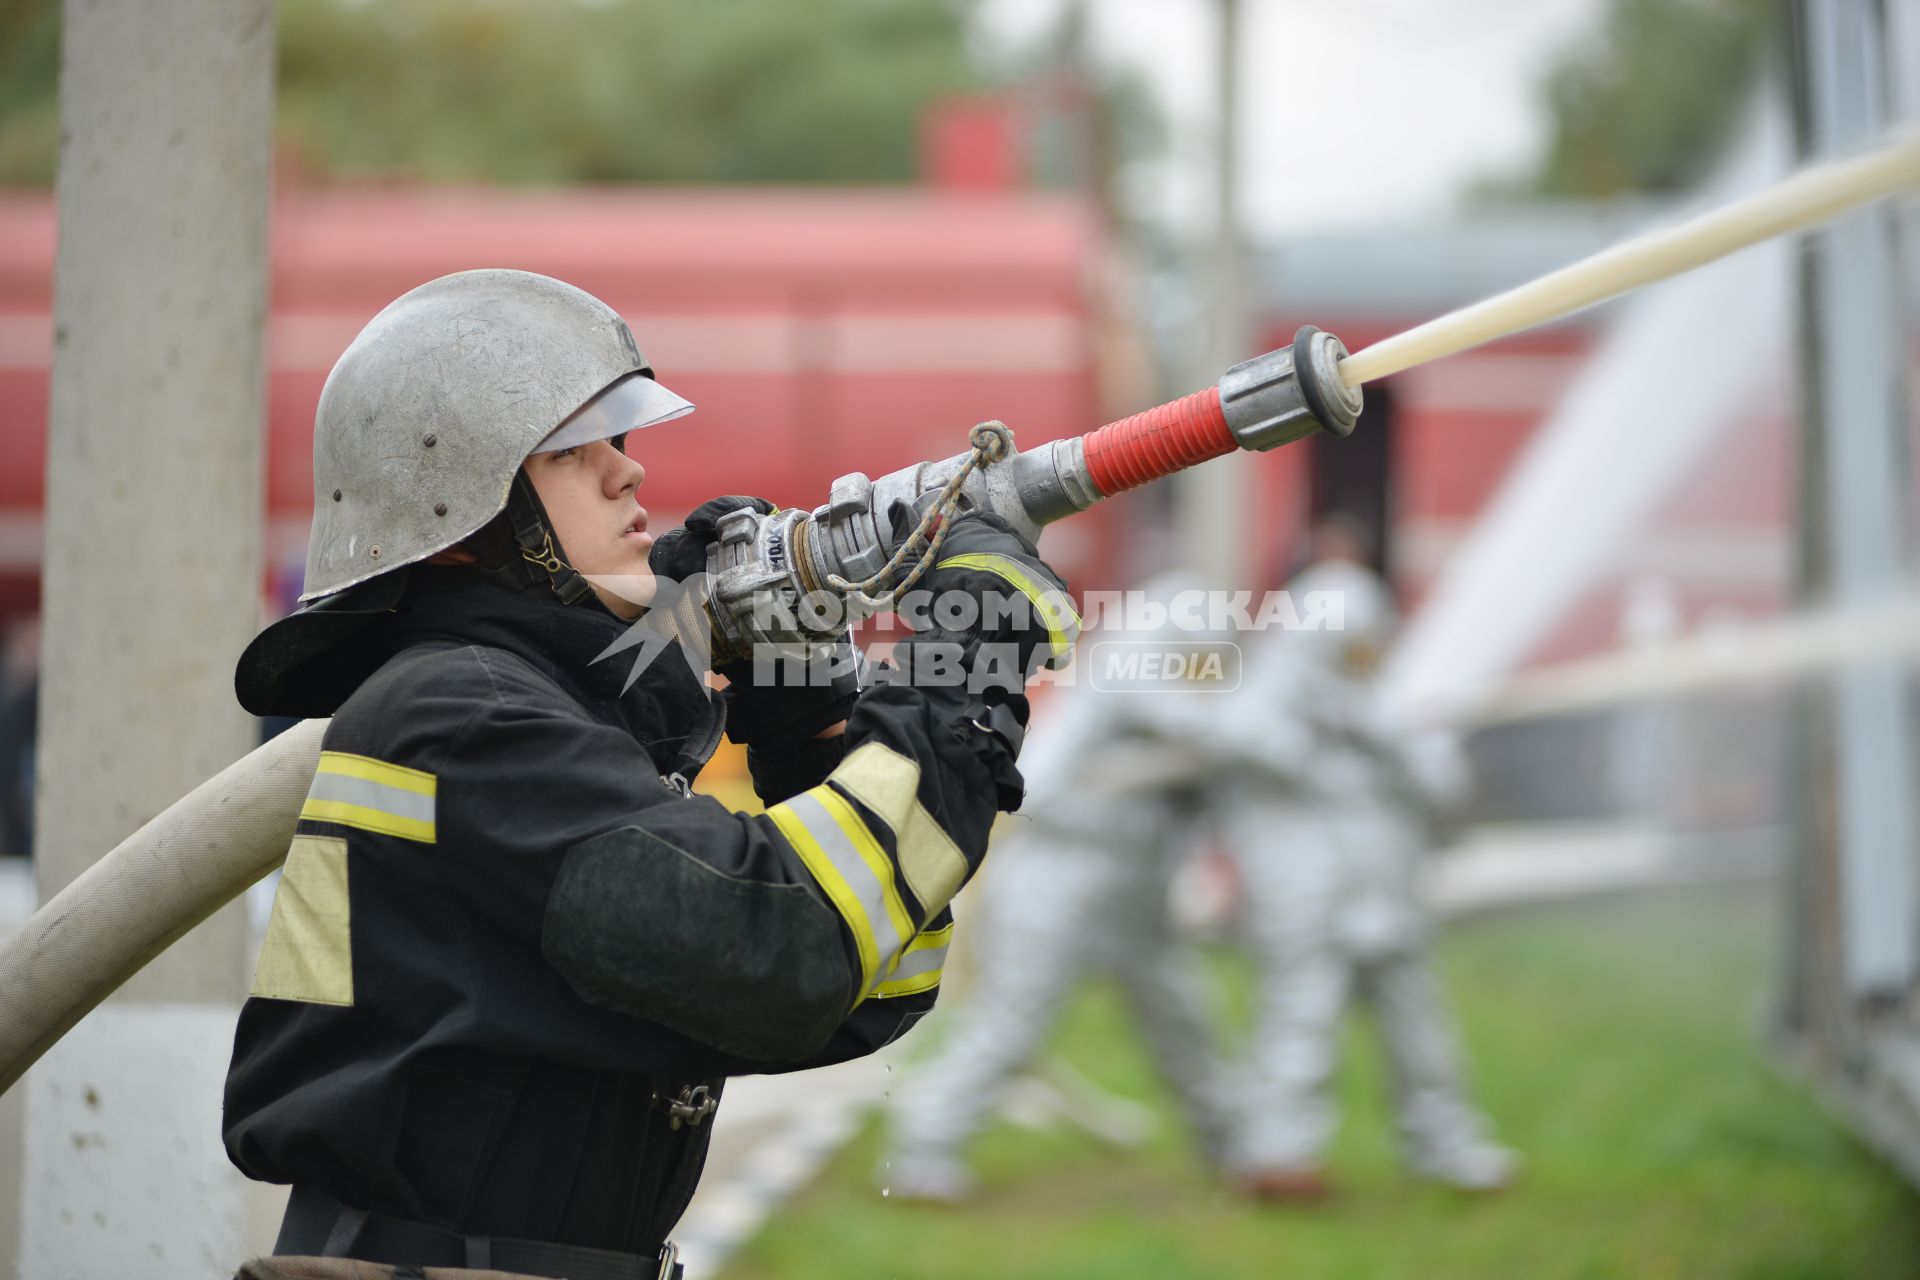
[1116,793]
[1329,834]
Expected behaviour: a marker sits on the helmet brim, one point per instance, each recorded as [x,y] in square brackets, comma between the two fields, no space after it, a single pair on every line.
[630,404]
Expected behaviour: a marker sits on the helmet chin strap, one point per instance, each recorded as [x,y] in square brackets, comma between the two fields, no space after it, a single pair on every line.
[520,550]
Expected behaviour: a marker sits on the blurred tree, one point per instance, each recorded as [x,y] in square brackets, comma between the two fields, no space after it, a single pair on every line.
[538,91]
[29,106]
[1090,119]
[1644,104]
[616,90]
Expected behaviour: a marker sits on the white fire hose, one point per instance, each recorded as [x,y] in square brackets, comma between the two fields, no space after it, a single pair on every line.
[200,854]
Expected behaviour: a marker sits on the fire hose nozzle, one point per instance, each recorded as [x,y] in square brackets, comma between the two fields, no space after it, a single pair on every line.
[854,545]
[1283,395]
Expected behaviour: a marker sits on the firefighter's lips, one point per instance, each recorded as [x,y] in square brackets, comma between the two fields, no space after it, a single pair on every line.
[637,529]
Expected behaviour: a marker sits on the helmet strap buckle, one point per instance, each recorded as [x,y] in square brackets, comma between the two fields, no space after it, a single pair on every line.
[545,558]
[534,535]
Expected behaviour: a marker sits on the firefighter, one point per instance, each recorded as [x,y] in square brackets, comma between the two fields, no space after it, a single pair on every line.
[1118,780]
[511,959]
[1329,836]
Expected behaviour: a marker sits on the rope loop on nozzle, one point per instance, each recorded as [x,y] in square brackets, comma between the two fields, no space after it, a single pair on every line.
[992,442]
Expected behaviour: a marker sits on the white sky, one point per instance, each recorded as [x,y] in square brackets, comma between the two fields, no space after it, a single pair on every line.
[1357,112]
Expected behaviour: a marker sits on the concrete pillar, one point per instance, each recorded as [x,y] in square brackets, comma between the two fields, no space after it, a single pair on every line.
[1856,525]
[1212,504]
[151,582]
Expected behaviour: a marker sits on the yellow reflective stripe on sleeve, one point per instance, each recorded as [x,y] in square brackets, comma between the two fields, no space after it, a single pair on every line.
[893,940]
[920,968]
[348,765]
[358,791]
[827,873]
[889,784]
[308,952]
[908,986]
[1052,607]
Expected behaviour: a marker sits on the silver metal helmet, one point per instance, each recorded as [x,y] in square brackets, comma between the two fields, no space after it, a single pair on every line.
[429,414]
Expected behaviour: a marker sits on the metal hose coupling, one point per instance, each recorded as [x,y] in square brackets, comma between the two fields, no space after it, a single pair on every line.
[1283,395]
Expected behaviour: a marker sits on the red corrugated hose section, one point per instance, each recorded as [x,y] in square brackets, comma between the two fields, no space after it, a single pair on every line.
[1167,438]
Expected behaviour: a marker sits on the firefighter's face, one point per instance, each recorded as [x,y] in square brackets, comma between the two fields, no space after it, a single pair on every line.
[590,493]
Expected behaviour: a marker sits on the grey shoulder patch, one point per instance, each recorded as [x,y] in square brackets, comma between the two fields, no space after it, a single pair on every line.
[749,968]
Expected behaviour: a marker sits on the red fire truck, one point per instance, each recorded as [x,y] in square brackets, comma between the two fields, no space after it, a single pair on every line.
[819,332]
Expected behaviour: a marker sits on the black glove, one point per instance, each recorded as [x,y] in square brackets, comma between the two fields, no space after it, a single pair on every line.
[776,706]
[680,553]
[772,707]
[990,591]
[986,615]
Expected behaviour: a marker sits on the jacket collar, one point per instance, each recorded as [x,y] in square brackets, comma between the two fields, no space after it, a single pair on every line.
[665,707]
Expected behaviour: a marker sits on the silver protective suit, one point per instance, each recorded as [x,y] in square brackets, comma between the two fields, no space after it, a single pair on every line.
[1079,888]
[1329,832]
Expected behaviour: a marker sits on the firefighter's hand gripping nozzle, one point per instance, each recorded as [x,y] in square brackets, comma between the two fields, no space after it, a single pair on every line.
[795,579]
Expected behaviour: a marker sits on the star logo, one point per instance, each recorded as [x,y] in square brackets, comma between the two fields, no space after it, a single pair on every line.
[674,611]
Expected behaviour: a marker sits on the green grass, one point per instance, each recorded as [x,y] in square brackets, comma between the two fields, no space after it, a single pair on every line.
[1614,1045]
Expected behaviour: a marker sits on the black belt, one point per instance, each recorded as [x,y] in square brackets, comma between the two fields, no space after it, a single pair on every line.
[317,1225]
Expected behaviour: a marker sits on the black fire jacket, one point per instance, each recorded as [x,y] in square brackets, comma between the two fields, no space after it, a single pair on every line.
[505,937]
